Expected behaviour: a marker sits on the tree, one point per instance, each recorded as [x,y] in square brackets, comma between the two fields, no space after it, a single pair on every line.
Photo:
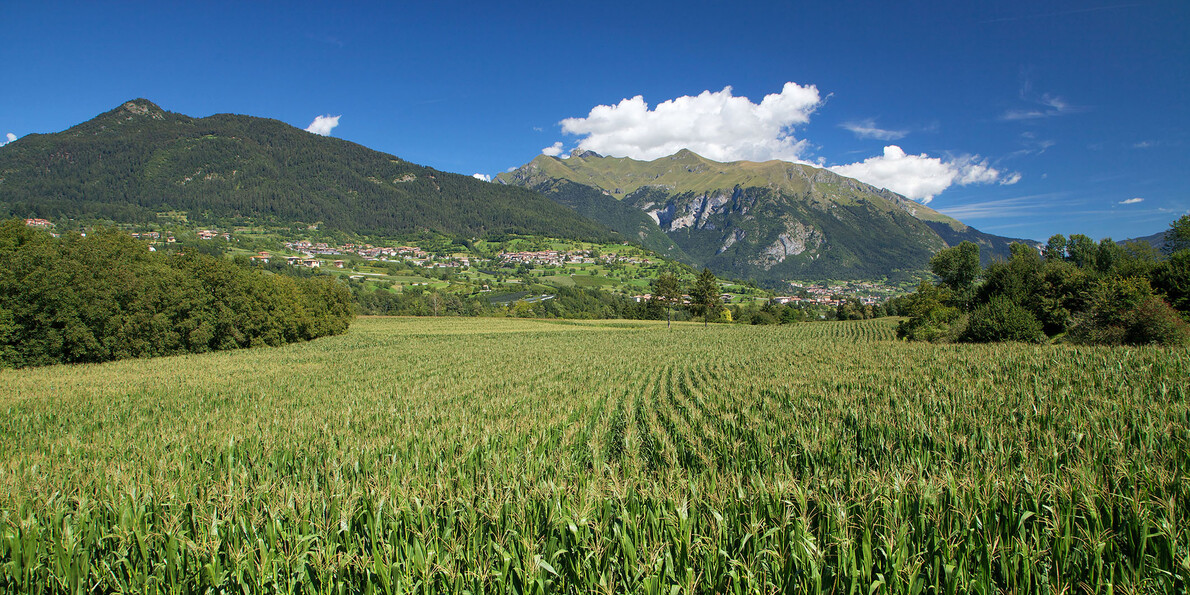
[1055,248]
[957,267]
[434,301]
[1172,278]
[1178,236]
[705,295]
[1081,250]
[667,291]
[1108,255]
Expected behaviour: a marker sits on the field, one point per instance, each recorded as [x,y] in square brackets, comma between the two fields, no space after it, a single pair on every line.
[519,456]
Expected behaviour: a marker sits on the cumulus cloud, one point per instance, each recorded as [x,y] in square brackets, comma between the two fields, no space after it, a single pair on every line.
[868,129]
[724,127]
[483,177]
[1132,201]
[323,125]
[8,139]
[717,125]
[921,177]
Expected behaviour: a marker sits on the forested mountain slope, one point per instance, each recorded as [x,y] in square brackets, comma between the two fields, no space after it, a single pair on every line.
[137,160]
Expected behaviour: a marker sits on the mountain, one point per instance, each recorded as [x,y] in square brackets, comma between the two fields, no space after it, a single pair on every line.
[138,160]
[769,221]
[1156,240]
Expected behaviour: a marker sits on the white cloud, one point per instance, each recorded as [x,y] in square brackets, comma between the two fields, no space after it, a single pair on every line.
[716,125]
[921,177]
[10,136]
[1020,206]
[1132,201]
[868,129]
[322,125]
[724,127]
[1050,105]
[483,177]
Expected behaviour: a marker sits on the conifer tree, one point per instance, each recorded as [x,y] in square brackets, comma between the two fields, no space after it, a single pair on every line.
[705,295]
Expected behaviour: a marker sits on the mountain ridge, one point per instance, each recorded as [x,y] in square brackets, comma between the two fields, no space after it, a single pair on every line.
[771,220]
[131,162]
[609,173]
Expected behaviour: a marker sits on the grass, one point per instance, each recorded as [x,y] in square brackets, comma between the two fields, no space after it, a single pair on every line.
[592,280]
[503,455]
[559,280]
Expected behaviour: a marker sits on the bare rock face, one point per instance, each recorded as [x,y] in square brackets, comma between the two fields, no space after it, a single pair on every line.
[736,235]
[694,213]
[143,109]
[796,239]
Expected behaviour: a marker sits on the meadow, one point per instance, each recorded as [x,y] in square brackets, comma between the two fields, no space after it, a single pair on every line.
[435,455]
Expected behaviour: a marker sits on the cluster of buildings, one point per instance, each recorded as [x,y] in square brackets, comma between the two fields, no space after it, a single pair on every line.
[364,250]
[303,261]
[559,258]
[825,296]
[820,300]
[410,254]
[153,236]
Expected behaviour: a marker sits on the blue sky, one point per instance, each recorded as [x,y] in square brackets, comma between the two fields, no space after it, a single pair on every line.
[1021,118]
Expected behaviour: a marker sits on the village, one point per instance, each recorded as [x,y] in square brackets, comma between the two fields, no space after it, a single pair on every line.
[584,261]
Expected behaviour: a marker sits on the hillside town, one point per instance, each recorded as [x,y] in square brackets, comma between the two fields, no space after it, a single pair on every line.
[350,255]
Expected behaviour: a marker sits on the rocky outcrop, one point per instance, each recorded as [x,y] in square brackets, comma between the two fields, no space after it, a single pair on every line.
[796,240]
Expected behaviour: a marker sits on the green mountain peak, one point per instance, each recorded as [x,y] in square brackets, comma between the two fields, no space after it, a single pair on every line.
[137,160]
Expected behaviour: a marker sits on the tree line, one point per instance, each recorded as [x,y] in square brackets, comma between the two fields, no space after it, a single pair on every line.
[104,296]
[1075,289]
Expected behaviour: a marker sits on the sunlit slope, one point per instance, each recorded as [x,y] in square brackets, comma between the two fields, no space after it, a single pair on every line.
[768,221]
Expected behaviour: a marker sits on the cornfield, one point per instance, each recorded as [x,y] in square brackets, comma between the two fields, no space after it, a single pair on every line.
[519,456]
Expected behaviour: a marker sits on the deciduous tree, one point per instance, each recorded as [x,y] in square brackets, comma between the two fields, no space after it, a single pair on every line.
[667,291]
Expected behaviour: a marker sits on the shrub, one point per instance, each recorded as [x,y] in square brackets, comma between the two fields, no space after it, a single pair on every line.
[931,325]
[930,319]
[1157,323]
[763,318]
[1172,278]
[1126,311]
[1002,320]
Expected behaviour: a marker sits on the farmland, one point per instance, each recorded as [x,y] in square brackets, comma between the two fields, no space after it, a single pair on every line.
[524,456]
